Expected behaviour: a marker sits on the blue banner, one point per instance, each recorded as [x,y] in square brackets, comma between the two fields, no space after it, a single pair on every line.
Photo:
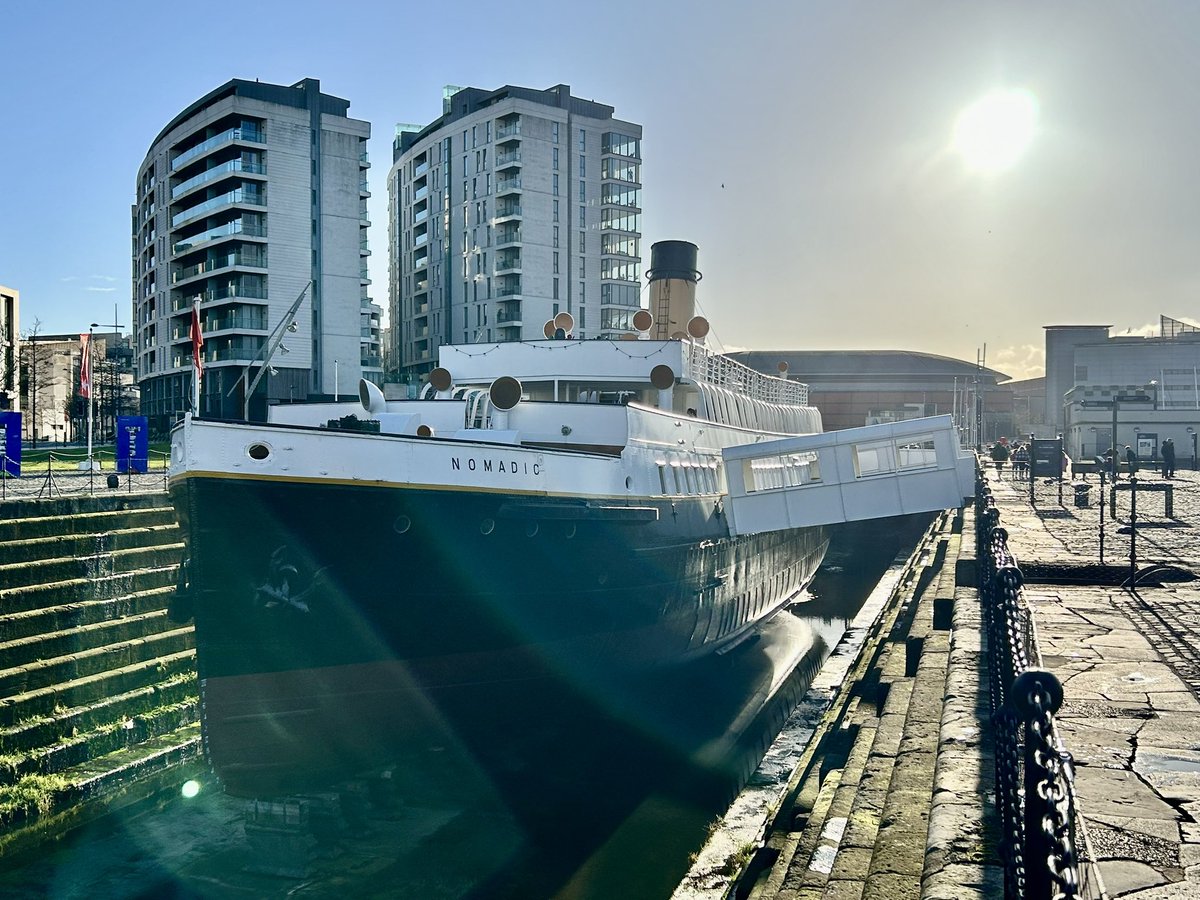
[133,444]
[10,443]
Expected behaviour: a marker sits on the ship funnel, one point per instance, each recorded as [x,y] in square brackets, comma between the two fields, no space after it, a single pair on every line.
[371,397]
[673,276]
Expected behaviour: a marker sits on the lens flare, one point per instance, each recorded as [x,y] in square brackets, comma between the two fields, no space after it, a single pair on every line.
[190,789]
[993,133]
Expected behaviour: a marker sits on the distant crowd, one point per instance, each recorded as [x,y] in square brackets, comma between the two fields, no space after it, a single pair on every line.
[1002,453]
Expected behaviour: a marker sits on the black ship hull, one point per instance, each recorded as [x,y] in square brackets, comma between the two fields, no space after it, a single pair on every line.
[333,619]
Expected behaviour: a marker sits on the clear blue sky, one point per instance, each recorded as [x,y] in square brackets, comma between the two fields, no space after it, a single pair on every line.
[805,146]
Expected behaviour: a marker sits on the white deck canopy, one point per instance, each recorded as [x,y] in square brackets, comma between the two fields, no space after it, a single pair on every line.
[871,472]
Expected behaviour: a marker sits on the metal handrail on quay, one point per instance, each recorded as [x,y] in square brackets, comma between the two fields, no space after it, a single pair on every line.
[1034,776]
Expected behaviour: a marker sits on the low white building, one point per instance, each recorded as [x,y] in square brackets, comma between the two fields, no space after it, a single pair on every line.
[1154,383]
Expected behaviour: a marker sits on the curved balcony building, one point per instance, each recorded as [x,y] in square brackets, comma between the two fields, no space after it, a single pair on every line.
[243,198]
[515,205]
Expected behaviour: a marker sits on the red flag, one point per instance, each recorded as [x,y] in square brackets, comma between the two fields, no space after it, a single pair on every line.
[85,366]
[197,341]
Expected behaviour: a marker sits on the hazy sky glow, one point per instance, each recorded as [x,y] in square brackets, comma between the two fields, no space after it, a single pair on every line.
[808,148]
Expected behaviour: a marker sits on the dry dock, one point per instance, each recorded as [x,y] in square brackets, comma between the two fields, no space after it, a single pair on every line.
[896,796]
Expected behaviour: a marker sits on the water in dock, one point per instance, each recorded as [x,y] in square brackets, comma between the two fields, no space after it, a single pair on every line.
[540,791]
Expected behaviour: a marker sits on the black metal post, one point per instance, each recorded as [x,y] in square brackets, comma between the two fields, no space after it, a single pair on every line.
[1132,529]
[1103,500]
[1032,480]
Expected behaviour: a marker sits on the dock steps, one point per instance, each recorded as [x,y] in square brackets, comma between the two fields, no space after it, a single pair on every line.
[98,689]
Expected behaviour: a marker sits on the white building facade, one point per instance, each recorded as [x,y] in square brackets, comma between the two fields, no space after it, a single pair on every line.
[1155,384]
[515,205]
[243,199]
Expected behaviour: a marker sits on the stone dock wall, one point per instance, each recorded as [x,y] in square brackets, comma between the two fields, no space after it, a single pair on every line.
[98,695]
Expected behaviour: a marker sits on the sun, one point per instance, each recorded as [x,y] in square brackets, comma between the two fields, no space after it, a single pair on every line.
[992,134]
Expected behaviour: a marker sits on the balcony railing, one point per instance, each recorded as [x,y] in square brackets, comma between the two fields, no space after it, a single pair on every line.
[245,290]
[238,258]
[232,134]
[247,323]
[241,195]
[504,263]
[509,316]
[257,229]
[508,131]
[505,211]
[508,184]
[511,236]
[508,159]
[234,165]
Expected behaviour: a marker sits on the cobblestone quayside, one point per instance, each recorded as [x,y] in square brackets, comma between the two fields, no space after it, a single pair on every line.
[1130,667]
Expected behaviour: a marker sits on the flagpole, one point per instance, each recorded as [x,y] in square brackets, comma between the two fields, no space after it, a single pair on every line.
[196,370]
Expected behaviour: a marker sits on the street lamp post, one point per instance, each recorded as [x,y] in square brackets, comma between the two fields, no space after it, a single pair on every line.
[1192,432]
[91,392]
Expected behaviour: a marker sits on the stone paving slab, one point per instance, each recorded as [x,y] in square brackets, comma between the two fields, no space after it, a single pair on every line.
[1128,664]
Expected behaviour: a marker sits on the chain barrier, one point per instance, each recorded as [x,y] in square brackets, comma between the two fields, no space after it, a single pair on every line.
[1034,777]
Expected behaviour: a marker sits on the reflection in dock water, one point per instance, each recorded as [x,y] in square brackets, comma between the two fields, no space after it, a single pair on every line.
[597,788]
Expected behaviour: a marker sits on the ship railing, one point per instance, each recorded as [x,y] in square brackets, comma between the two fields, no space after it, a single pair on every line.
[717,369]
[1035,775]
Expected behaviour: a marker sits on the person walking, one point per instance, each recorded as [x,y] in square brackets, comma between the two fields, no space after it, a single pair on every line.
[1021,462]
[1131,458]
[999,457]
[1168,456]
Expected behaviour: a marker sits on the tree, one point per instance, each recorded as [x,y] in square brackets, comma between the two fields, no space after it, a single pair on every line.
[36,372]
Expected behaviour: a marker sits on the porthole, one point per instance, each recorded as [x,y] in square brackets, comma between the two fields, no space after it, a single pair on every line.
[487,526]
[258,451]
[531,529]
[402,524]
[629,482]
[570,531]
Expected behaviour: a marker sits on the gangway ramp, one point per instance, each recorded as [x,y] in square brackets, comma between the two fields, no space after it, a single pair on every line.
[871,472]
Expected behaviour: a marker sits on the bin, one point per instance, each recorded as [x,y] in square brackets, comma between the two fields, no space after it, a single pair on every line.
[1083,495]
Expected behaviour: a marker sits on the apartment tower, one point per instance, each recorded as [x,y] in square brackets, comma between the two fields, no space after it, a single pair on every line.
[516,205]
[244,198]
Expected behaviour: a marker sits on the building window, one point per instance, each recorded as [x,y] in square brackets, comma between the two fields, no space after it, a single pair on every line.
[582,140]
[555,210]
[555,235]
[582,189]
[474,134]
[554,132]
[489,131]
[582,165]
[556,263]
[555,295]
[555,187]
[554,159]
